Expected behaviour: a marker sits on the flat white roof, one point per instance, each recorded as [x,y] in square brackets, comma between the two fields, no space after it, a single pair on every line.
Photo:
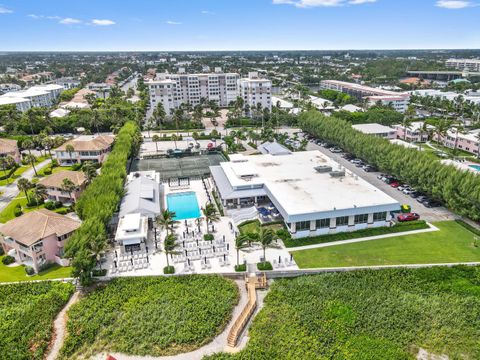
[292,182]
[373,128]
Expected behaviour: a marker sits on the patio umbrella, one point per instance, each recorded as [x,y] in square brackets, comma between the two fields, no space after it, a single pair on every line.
[187,230]
[131,260]
[186,252]
[214,248]
[228,247]
[223,238]
[186,223]
[188,260]
[205,258]
[279,259]
[115,263]
[213,228]
[184,234]
[291,257]
[224,257]
[146,248]
[131,251]
[193,233]
[116,254]
[147,260]
[183,243]
[156,246]
[197,242]
[200,251]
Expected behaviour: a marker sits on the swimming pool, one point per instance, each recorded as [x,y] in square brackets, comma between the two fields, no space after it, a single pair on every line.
[184,205]
[474,167]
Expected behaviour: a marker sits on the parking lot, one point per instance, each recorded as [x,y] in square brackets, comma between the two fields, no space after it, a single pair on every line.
[428,214]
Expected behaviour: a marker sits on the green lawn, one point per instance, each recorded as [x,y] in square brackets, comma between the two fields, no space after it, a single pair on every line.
[8,213]
[54,170]
[453,243]
[18,173]
[254,227]
[17,273]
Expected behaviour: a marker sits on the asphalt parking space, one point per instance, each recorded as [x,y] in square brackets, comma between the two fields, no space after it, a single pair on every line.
[428,214]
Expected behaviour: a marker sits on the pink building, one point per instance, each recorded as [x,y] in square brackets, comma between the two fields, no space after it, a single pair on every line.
[92,148]
[468,142]
[414,133]
[54,183]
[9,148]
[37,238]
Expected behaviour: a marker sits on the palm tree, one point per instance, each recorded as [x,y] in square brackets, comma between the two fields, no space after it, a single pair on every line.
[166,220]
[407,120]
[159,114]
[174,139]
[69,187]
[265,238]
[47,143]
[29,145]
[241,242]
[39,192]
[170,245]
[156,139]
[97,247]
[89,170]
[70,149]
[211,214]
[198,222]
[24,185]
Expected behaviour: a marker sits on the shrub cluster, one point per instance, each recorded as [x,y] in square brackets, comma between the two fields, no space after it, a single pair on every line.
[458,189]
[7,260]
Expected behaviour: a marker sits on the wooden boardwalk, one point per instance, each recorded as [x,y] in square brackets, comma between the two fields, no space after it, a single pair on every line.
[252,284]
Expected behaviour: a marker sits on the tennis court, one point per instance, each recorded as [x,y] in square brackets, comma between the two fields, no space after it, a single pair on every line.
[172,168]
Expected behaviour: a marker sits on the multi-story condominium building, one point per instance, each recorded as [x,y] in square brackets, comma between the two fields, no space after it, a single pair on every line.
[37,237]
[102,90]
[255,90]
[174,89]
[4,88]
[469,141]
[36,96]
[68,82]
[399,101]
[54,185]
[92,148]
[413,133]
[464,64]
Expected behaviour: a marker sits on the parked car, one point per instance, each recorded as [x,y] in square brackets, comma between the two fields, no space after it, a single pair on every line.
[408,191]
[415,194]
[390,180]
[430,203]
[422,198]
[356,161]
[369,168]
[335,150]
[348,156]
[408,217]
[403,187]
[394,184]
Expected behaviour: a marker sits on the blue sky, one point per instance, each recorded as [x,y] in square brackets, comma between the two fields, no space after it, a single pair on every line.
[66,25]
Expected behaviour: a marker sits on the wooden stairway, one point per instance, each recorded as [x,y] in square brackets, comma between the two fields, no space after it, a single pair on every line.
[252,284]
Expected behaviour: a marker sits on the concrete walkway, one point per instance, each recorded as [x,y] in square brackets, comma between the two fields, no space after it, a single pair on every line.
[60,326]
[218,344]
[10,191]
[351,241]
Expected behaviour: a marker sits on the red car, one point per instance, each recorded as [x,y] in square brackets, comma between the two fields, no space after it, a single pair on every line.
[408,217]
[395,184]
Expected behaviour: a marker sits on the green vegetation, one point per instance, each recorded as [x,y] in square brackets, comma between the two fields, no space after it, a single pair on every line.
[369,315]
[27,312]
[264,266]
[380,115]
[98,203]
[337,97]
[451,244]
[17,273]
[399,227]
[150,316]
[68,95]
[460,190]
[253,226]
[20,202]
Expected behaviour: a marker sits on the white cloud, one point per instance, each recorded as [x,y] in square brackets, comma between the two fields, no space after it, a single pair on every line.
[207,12]
[321,3]
[103,22]
[70,21]
[33,16]
[4,10]
[170,22]
[453,4]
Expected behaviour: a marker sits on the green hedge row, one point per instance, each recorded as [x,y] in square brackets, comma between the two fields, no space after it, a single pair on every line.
[459,189]
[99,202]
[399,227]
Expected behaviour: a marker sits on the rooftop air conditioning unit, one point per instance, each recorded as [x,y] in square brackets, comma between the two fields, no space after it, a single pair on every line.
[337,173]
[323,168]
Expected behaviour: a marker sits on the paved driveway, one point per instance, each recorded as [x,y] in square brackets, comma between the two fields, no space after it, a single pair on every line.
[429,214]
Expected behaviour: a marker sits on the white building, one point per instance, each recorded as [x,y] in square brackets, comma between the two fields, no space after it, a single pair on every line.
[376,130]
[35,96]
[4,88]
[132,233]
[312,193]
[255,90]
[464,64]
[174,89]
[386,97]
[102,90]
[142,195]
[68,82]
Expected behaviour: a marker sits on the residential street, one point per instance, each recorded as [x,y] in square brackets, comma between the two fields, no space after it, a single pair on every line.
[9,192]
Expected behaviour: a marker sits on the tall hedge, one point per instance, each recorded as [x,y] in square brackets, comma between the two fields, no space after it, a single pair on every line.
[460,190]
[99,202]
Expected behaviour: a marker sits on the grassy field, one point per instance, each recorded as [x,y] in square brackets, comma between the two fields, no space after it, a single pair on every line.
[453,243]
[27,312]
[369,315]
[150,316]
[18,173]
[8,212]
[17,273]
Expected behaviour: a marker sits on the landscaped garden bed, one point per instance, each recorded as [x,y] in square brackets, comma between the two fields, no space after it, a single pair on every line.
[382,314]
[150,316]
[27,312]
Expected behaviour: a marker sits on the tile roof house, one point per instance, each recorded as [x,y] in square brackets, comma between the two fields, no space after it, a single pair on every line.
[92,148]
[9,148]
[37,237]
[54,182]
